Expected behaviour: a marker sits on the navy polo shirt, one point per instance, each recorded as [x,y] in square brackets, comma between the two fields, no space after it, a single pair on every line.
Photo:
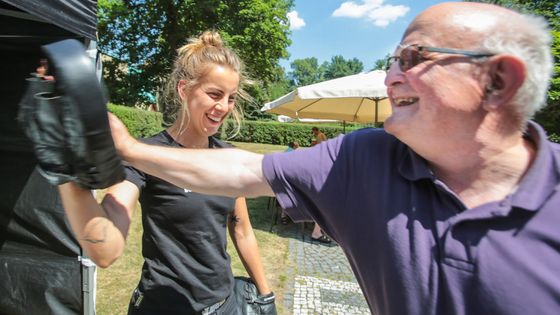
[412,244]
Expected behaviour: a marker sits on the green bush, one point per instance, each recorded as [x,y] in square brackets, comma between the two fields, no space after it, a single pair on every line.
[140,123]
[554,138]
[272,132]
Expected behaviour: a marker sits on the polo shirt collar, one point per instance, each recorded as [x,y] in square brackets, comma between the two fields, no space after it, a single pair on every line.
[534,189]
[413,167]
[543,175]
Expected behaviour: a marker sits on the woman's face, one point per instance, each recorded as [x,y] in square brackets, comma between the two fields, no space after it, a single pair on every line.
[211,100]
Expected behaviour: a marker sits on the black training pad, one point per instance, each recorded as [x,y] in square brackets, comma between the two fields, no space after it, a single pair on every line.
[97,163]
[68,126]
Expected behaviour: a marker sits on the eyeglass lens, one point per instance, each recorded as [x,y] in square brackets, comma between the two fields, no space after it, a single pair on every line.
[409,57]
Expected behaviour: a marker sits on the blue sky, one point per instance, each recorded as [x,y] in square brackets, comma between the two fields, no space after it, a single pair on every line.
[362,29]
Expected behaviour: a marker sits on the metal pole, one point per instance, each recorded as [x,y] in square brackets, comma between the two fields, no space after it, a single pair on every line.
[89,270]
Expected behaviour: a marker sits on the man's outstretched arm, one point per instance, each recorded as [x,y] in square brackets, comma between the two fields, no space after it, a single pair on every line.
[225,172]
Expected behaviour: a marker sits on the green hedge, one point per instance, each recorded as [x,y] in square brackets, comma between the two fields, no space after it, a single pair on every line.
[140,123]
[272,132]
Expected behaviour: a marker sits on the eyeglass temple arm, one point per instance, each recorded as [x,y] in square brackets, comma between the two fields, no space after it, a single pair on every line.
[456,51]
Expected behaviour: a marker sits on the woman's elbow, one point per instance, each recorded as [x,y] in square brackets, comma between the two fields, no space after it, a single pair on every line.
[104,258]
[104,262]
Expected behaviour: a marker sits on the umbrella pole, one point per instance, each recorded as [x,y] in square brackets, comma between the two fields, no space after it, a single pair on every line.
[344,126]
[376,110]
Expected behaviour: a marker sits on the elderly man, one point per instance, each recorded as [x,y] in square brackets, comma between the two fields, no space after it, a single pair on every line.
[454,208]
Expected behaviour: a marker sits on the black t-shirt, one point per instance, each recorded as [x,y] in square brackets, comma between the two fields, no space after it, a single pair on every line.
[186,266]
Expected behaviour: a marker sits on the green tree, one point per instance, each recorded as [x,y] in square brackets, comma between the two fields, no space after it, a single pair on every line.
[262,94]
[305,71]
[340,67]
[381,64]
[141,37]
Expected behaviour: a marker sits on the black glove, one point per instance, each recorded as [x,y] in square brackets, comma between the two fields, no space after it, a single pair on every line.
[68,123]
[265,304]
[250,301]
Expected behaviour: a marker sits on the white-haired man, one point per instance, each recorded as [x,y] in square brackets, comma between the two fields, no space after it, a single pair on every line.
[454,208]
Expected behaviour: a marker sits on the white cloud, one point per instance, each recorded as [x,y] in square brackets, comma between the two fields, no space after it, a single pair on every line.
[295,21]
[372,10]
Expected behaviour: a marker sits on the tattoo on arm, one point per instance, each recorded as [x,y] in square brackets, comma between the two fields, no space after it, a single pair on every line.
[97,240]
[234,219]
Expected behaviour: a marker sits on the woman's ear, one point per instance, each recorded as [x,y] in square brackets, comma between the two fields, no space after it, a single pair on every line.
[181,89]
[506,73]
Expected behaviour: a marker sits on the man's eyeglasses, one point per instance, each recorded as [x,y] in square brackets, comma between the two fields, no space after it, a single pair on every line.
[412,55]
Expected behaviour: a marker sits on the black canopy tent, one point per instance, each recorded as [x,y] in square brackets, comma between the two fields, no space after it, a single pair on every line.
[40,269]
[79,17]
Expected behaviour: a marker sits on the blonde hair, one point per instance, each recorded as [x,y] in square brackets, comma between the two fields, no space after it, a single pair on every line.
[193,61]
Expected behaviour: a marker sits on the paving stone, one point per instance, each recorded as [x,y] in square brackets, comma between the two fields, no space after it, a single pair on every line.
[322,282]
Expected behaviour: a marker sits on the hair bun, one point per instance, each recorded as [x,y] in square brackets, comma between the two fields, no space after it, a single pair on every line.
[211,38]
[206,39]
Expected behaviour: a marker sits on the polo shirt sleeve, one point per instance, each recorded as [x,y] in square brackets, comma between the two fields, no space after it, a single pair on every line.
[298,177]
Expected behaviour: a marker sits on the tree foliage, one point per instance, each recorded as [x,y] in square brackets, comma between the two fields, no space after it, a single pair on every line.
[142,37]
[381,64]
[339,67]
[307,71]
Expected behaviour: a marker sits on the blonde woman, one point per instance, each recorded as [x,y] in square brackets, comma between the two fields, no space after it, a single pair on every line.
[186,267]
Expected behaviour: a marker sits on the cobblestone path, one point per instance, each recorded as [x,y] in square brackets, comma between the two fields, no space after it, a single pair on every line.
[322,282]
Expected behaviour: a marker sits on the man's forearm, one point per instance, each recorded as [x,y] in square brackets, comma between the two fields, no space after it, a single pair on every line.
[226,172]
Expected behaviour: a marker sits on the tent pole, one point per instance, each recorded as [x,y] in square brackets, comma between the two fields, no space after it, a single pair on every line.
[89,273]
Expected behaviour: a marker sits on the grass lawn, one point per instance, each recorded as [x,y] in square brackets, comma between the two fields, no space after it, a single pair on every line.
[115,284]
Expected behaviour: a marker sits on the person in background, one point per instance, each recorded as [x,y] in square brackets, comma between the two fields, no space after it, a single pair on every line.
[42,70]
[293,145]
[453,207]
[319,136]
[186,267]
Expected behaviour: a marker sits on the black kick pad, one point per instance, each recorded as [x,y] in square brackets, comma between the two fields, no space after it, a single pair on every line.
[67,121]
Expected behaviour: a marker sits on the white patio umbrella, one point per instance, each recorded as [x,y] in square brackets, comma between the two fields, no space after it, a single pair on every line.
[283,118]
[358,98]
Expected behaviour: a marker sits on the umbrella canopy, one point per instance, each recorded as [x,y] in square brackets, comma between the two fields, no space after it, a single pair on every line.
[359,98]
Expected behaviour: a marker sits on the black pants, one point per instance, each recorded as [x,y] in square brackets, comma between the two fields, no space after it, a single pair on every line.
[229,307]
[140,306]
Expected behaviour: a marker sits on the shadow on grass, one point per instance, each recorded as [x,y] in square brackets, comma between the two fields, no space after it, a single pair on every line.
[267,219]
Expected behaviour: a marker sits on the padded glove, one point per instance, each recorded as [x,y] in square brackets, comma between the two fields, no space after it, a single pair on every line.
[68,123]
[250,301]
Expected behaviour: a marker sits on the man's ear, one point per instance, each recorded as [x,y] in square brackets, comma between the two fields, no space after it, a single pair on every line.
[181,88]
[506,75]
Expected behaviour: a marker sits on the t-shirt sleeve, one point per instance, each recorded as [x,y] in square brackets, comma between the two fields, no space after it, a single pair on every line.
[298,177]
[135,176]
